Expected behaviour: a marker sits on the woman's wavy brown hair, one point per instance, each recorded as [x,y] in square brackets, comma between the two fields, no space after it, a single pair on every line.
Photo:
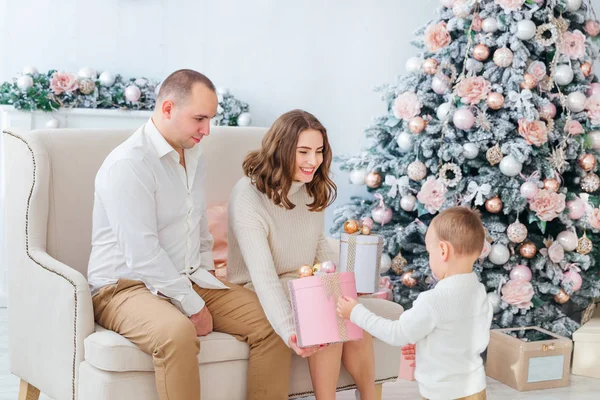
[272,168]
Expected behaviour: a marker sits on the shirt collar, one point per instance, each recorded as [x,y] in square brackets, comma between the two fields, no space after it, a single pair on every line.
[457,280]
[160,144]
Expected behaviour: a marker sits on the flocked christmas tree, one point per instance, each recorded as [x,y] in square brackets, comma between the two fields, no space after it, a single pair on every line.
[498,112]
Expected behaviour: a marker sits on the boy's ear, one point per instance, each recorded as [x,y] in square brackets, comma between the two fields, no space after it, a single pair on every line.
[445,248]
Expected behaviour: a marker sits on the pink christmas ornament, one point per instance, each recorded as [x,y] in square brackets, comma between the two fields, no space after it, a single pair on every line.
[576,208]
[521,273]
[366,221]
[440,84]
[572,276]
[381,214]
[132,93]
[328,267]
[529,189]
[594,89]
[548,110]
[463,119]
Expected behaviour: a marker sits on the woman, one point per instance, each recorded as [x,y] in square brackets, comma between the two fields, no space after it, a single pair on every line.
[276,224]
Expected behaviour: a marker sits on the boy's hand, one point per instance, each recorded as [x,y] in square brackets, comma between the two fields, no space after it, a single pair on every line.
[345,306]
[408,353]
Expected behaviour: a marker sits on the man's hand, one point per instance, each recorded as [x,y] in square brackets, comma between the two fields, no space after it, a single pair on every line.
[408,352]
[203,322]
[345,306]
[304,353]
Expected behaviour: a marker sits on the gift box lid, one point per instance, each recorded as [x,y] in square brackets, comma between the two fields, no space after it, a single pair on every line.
[544,337]
[590,332]
[372,239]
[314,281]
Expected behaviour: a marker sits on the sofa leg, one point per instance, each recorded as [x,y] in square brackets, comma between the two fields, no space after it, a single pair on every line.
[28,392]
[378,391]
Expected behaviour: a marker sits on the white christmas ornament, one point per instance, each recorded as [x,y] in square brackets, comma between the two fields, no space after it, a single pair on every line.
[244,119]
[573,5]
[24,82]
[526,29]
[107,79]
[386,263]
[408,202]
[461,8]
[443,111]
[563,74]
[499,254]
[489,25]
[440,84]
[405,142]
[132,93]
[509,166]
[52,123]
[470,150]
[474,66]
[29,70]
[413,64]
[88,73]
[576,101]
[594,139]
[358,176]
[568,240]
[495,301]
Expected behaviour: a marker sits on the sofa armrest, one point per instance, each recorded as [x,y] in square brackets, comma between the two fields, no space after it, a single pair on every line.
[50,314]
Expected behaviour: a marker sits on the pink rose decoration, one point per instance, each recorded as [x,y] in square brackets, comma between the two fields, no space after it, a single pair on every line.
[574,128]
[473,90]
[538,70]
[595,218]
[432,194]
[407,106]
[573,44]
[510,5]
[63,82]
[518,294]
[533,132]
[487,248]
[547,205]
[556,252]
[592,27]
[477,23]
[437,37]
[592,105]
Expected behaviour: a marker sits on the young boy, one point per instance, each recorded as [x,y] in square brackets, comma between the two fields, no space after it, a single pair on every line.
[450,324]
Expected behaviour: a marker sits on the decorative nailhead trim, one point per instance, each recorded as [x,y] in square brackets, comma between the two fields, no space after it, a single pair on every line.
[46,268]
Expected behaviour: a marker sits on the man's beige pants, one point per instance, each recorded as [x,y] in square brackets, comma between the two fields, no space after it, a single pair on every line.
[158,328]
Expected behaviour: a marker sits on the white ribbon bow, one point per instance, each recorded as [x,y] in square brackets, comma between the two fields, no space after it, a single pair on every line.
[397,184]
[477,192]
[521,99]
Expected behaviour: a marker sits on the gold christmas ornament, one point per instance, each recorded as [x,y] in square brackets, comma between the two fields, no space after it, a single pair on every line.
[562,297]
[494,205]
[551,184]
[373,180]
[584,245]
[495,101]
[365,230]
[587,162]
[305,271]
[430,66]
[351,226]
[546,34]
[494,155]
[398,264]
[590,183]
[528,82]
[86,86]
[528,250]
[316,268]
[586,69]
[481,52]
[417,125]
[408,280]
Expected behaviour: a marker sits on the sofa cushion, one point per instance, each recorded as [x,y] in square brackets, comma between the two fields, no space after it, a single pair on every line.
[110,351]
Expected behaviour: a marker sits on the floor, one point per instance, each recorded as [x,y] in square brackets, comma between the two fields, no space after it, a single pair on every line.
[580,389]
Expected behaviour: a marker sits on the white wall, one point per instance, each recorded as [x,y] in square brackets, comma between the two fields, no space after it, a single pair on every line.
[322,56]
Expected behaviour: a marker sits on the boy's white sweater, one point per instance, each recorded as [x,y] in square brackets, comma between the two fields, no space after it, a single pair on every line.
[450,326]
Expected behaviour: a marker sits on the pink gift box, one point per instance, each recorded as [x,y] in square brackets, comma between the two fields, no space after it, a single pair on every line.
[314,303]
[406,371]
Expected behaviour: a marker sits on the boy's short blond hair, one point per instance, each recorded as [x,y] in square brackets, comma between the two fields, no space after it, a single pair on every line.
[461,227]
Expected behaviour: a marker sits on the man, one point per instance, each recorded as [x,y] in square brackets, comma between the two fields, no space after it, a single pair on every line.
[151,269]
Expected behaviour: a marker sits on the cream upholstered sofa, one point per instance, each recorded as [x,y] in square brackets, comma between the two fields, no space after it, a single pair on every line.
[54,345]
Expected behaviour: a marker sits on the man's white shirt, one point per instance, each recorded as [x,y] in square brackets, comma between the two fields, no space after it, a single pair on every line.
[149,220]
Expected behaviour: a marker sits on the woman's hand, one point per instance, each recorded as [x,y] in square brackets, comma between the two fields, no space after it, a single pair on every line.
[304,353]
